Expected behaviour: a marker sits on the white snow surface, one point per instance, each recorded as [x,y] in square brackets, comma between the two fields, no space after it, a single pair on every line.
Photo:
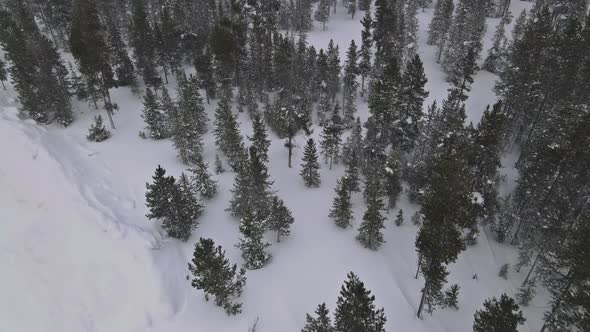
[79,255]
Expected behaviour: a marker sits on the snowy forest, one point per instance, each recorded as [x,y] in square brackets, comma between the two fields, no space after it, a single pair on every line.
[295,165]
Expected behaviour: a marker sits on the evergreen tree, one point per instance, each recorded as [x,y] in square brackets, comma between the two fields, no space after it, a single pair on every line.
[201,180]
[355,308]
[310,167]
[503,273]
[320,324]
[352,151]
[240,200]
[446,209]
[97,131]
[142,41]
[352,8]
[189,122]
[385,33]
[153,116]
[183,211]
[451,296]
[322,13]
[260,139]
[227,134]
[331,139]
[3,73]
[393,186]
[364,5]
[341,212]
[498,315]
[157,195]
[438,30]
[365,52]
[351,176]
[351,71]
[417,218]
[399,219]
[411,28]
[212,272]
[413,94]
[280,218]
[333,69]
[302,18]
[124,72]
[526,293]
[218,165]
[251,243]
[370,230]
[496,54]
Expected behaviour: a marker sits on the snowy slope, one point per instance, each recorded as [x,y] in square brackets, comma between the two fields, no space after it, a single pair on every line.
[80,255]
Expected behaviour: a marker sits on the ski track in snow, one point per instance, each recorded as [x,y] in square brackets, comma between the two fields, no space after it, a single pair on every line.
[81,256]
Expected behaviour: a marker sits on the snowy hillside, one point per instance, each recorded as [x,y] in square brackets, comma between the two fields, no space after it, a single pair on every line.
[78,253]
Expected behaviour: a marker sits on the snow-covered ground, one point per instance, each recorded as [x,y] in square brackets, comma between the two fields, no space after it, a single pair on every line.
[78,254]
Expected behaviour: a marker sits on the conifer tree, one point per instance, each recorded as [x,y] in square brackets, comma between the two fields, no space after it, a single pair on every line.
[333,69]
[417,218]
[97,131]
[413,94]
[526,292]
[122,65]
[352,8]
[385,33]
[355,308]
[280,218]
[310,167]
[341,212]
[351,176]
[393,186]
[241,190]
[498,315]
[259,138]
[451,296]
[142,41]
[352,151]
[411,28]
[322,13]
[184,210]
[370,231]
[218,165]
[201,180]
[189,122]
[320,324]
[365,52]
[251,243]
[364,5]
[496,54]
[399,219]
[158,193]
[227,134]
[503,273]
[3,73]
[212,272]
[438,30]
[351,71]
[331,139]
[154,118]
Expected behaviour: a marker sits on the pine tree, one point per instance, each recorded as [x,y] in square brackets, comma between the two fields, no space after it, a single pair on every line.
[352,151]
[3,73]
[399,219]
[218,165]
[260,139]
[227,134]
[320,324]
[322,13]
[451,296]
[212,272]
[503,273]
[385,33]
[190,102]
[260,184]
[365,52]
[142,41]
[413,94]
[189,122]
[333,69]
[97,131]
[411,28]
[252,243]
[183,211]
[157,195]
[154,118]
[331,139]
[417,218]
[310,167]
[120,61]
[496,54]
[240,200]
[393,186]
[502,315]
[351,70]
[351,176]
[341,212]
[370,230]
[355,308]
[280,218]
[201,180]
[438,30]
[364,5]
[352,8]
[526,292]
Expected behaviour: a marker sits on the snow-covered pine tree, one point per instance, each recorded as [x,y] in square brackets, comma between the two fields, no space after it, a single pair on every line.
[158,194]
[251,243]
[352,151]
[333,66]
[227,134]
[212,272]
[331,138]
[241,191]
[201,180]
[183,212]
[320,324]
[451,297]
[503,273]
[3,73]
[399,219]
[438,30]
[364,5]
[370,230]
[413,94]
[526,292]
[352,8]
[259,137]
[260,184]
[385,33]
[302,20]
[417,218]
[322,13]
[142,41]
[351,175]
[153,116]
[355,308]
[411,28]
[393,186]
[494,62]
[218,165]
[498,315]
[341,212]
[310,167]
[351,71]
[365,51]
[97,131]
[280,218]
[122,65]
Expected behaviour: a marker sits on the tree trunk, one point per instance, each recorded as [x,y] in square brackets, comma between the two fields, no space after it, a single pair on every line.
[559,300]
[532,269]
[417,270]
[440,49]
[3,86]
[278,236]
[421,306]
[362,85]
[290,149]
